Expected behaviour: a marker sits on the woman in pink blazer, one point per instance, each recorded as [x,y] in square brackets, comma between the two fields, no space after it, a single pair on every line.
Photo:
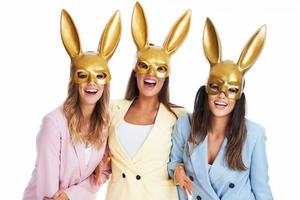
[72,139]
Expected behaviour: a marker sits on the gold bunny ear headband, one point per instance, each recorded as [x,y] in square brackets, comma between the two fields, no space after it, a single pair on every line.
[151,59]
[89,66]
[227,76]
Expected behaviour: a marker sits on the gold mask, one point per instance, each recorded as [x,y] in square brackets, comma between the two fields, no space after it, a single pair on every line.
[155,60]
[89,66]
[227,76]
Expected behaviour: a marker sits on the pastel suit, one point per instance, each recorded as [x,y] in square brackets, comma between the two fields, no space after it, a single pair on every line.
[220,182]
[144,176]
[60,164]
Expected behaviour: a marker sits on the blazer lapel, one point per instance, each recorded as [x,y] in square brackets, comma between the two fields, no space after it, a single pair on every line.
[79,149]
[200,165]
[163,119]
[114,142]
[95,158]
[218,167]
[118,117]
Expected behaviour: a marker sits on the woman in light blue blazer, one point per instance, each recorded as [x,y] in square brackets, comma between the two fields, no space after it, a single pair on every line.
[217,153]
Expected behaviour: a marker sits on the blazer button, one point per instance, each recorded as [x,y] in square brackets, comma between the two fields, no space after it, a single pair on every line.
[231,185]
[123,175]
[192,178]
[198,197]
[138,177]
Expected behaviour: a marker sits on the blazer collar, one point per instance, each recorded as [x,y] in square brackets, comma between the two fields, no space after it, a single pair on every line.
[80,153]
[199,162]
[219,165]
[79,149]
[164,118]
[115,146]
[95,157]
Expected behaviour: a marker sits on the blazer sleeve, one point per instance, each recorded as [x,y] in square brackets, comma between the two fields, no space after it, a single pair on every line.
[83,190]
[87,189]
[48,159]
[259,170]
[178,143]
[105,174]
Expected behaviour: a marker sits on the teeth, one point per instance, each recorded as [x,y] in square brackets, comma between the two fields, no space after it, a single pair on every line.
[150,81]
[220,103]
[91,91]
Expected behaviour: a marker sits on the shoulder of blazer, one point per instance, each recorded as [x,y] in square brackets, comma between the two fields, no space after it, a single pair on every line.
[254,131]
[179,111]
[183,125]
[57,117]
[119,104]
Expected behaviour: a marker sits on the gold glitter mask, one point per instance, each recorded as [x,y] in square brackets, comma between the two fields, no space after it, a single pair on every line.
[155,60]
[89,66]
[227,76]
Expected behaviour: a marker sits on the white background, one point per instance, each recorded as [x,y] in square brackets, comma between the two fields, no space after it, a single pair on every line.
[35,69]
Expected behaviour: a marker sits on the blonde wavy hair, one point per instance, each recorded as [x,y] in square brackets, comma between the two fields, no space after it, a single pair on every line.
[100,118]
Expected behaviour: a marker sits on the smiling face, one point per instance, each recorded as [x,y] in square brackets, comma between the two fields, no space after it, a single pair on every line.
[220,105]
[152,68]
[225,77]
[91,73]
[90,93]
[149,85]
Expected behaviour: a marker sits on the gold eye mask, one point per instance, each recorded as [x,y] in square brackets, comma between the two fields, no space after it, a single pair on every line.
[85,74]
[151,59]
[227,76]
[89,66]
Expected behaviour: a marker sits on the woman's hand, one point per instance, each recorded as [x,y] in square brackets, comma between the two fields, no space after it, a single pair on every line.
[59,195]
[182,179]
[100,168]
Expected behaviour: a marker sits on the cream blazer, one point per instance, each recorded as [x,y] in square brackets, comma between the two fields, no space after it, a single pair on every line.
[144,176]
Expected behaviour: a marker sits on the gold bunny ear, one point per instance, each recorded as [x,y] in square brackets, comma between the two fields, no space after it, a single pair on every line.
[139,29]
[110,36]
[211,43]
[178,33]
[69,35]
[252,49]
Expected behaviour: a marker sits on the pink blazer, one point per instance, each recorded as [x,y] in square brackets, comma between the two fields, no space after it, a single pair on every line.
[61,165]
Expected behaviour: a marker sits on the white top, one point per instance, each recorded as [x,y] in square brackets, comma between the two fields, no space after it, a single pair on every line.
[88,153]
[209,166]
[132,136]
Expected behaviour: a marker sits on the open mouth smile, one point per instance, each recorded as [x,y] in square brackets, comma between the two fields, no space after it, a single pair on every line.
[150,83]
[91,91]
[220,104]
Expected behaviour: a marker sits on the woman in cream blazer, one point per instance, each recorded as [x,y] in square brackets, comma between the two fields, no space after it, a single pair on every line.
[140,132]
[143,176]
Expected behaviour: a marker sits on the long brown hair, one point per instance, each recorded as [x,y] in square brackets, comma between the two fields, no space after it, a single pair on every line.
[235,130]
[100,118]
[132,92]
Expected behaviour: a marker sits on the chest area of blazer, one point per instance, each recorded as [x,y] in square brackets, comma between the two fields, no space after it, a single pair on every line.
[157,144]
[76,160]
[159,134]
[218,179]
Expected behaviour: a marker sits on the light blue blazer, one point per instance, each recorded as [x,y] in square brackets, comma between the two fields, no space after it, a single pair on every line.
[220,182]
